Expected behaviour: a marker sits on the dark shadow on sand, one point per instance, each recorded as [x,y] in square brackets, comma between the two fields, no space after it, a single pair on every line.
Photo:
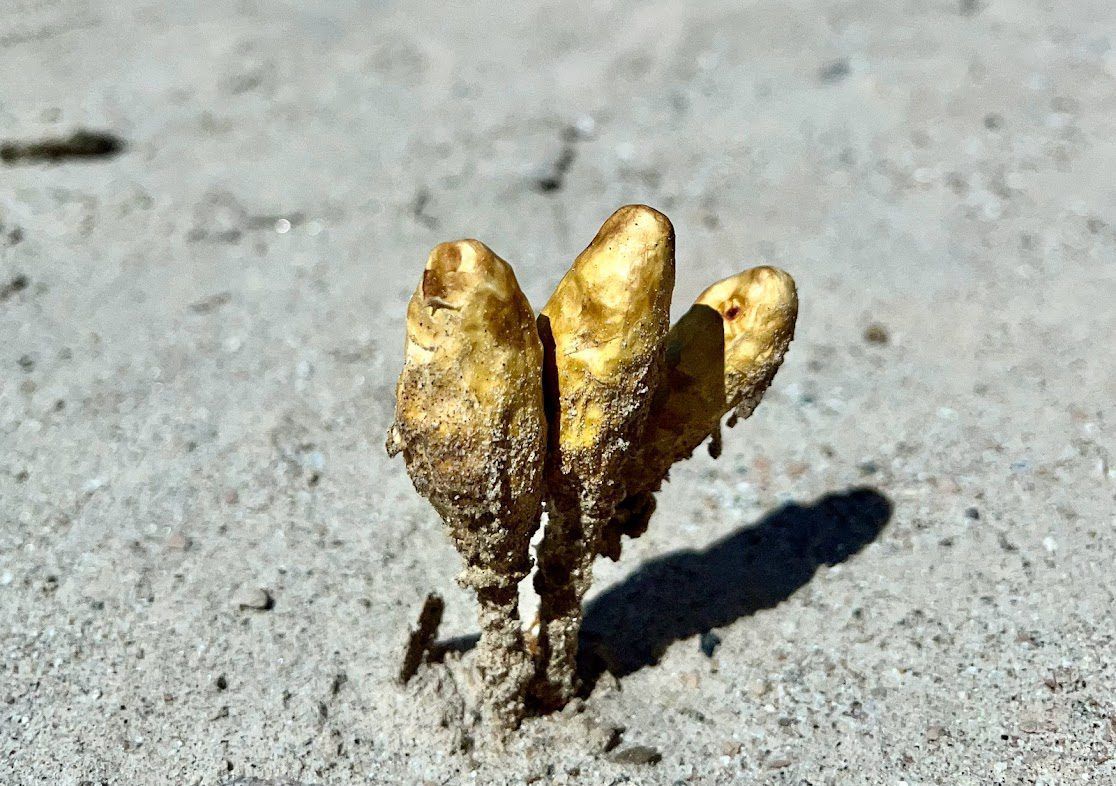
[687,593]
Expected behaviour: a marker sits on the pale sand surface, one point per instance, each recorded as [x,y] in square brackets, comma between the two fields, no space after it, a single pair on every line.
[199,339]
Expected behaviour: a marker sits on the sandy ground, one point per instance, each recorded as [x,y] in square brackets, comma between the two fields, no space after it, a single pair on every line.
[900,571]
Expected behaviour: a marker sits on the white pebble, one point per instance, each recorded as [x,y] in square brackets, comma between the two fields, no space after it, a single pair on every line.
[585,126]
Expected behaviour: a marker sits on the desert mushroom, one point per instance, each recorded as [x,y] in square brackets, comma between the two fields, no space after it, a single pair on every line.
[469,421]
[587,410]
[603,330]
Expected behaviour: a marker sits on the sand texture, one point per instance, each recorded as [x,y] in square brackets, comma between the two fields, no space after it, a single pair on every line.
[902,567]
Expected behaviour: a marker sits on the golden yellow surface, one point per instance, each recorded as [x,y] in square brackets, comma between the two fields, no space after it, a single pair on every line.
[607,318]
[469,405]
[471,425]
[620,397]
[759,308]
[720,357]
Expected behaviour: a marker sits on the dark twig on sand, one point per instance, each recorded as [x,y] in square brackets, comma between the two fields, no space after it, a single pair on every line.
[422,637]
[80,144]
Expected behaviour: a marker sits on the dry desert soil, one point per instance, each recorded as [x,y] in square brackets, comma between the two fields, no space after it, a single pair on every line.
[900,571]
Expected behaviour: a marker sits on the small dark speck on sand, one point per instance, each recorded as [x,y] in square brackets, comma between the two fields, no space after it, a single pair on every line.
[876,334]
[970,7]
[868,468]
[210,304]
[834,71]
[709,643]
[78,145]
[555,177]
[18,283]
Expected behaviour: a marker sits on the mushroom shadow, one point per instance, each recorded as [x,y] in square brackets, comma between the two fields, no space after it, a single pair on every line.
[687,593]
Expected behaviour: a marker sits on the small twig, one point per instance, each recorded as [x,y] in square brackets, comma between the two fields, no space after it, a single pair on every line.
[79,144]
[422,637]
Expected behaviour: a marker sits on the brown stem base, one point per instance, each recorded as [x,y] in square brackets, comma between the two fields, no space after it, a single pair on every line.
[502,658]
[565,572]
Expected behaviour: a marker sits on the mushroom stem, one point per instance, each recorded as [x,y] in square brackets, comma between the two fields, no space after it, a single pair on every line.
[502,658]
[565,573]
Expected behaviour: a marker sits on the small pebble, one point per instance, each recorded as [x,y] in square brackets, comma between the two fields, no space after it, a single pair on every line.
[254,598]
[757,688]
[178,542]
[709,643]
[608,682]
[575,707]
[876,334]
[637,754]
[834,71]
[602,738]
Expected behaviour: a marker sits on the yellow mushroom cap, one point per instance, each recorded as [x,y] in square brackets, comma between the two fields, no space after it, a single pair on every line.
[721,356]
[607,319]
[759,308]
[467,303]
[469,415]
